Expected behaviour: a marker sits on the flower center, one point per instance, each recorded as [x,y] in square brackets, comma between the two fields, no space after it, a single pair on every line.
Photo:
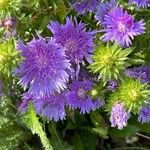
[41,61]
[81,93]
[108,60]
[71,45]
[121,27]
[117,117]
[124,24]
[134,94]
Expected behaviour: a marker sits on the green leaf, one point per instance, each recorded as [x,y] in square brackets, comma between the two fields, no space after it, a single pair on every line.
[125,132]
[32,122]
[78,145]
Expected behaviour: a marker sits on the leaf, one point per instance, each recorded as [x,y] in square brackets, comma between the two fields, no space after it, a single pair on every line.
[78,142]
[125,132]
[32,122]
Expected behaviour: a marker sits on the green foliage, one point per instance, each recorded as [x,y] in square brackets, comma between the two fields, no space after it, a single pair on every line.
[7,6]
[9,57]
[32,122]
[109,61]
[11,133]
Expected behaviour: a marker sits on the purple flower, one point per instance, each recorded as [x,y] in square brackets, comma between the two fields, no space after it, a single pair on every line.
[10,25]
[10,22]
[44,68]
[121,27]
[85,6]
[144,115]
[119,116]
[52,107]
[140,3]
[77,97]
[103,9]
[77,42]
[112,85]
[142,72]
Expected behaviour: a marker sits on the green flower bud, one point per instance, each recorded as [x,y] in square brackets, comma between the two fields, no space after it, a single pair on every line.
[109,61]
[132,93]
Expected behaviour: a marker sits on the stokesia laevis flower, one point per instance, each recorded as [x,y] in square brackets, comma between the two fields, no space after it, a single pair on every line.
[140,3]
[142,72]
[44,68]
[52,107]
[10,25]
[78,98]
[121,27]
[76,41]
[84,6]
[119,116]
[103,9]
[144,115]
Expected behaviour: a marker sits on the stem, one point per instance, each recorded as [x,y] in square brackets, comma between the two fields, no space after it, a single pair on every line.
[144,136]
[131,148]
[53,131]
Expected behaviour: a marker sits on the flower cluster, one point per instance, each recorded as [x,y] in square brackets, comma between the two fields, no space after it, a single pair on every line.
[46,70]
[53,71]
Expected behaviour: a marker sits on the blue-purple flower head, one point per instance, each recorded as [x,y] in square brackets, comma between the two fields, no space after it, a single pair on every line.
[140,3]
[52,107]
[141,72]
[119,116]
[77,97]
[10,22]
[103,9]
[121,27]
[85,6]
[73,37]
[44,68]
[144,115]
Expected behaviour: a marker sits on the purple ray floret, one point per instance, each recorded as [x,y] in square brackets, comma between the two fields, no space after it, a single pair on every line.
[103,9]
[141,72]
[52,107]
[144,115]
